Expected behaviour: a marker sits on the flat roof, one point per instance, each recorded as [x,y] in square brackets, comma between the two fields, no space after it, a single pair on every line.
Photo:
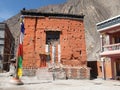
[52,14]
[108,20]
[2,25]
[109,23]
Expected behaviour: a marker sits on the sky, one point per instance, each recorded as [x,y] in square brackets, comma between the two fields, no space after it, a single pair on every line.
[9,8]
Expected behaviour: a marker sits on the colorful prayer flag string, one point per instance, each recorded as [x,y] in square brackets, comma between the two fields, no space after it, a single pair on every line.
[20,49]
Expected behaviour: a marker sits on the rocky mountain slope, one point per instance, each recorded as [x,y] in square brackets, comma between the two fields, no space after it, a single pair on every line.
[94,11]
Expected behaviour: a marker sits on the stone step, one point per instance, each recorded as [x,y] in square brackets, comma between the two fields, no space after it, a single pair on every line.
[44,74]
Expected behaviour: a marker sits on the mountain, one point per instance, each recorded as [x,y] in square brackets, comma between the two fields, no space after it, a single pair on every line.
[94,11]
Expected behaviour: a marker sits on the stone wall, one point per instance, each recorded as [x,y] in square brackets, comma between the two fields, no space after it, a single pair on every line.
[7,43]
[59,73]
[77,72]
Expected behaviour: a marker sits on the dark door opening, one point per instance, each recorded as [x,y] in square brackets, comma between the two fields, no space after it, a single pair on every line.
[118,68]
[52,37]
[93,71]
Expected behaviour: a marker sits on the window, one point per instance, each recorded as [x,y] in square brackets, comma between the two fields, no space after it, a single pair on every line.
[117,40]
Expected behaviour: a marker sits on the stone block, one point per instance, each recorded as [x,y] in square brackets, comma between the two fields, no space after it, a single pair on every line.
[29,72]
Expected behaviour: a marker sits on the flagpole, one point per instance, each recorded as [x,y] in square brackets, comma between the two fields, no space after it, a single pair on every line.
[16,75]
[16,80]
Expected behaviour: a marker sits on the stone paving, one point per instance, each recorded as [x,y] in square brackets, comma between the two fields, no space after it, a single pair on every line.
[33,83]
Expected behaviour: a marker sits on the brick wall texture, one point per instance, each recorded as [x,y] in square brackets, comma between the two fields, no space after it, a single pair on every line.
[72,41]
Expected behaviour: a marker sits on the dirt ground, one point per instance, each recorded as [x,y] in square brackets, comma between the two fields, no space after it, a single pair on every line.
[33,83]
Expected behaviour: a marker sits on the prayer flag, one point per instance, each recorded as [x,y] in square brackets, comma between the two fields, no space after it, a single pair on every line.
[20,49]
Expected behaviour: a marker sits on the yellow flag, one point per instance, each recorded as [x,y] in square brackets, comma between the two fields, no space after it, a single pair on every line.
[19,72]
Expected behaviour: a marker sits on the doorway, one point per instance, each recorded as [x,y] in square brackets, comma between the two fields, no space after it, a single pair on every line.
[118,68]
[52,47]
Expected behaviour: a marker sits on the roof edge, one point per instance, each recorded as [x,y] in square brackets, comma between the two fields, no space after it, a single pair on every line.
[47,14]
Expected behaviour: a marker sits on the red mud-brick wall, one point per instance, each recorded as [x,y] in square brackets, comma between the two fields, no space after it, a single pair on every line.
[29,43]
[72,40]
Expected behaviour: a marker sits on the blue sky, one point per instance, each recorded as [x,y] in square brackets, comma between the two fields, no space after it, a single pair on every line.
[9,8]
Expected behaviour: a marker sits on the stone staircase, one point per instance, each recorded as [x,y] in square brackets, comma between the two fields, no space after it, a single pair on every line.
[44,74]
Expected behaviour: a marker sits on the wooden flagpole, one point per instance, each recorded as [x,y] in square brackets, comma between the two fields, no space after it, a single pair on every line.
[16,80]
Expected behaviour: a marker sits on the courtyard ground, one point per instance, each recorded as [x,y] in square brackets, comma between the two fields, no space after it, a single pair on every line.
[33,83]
